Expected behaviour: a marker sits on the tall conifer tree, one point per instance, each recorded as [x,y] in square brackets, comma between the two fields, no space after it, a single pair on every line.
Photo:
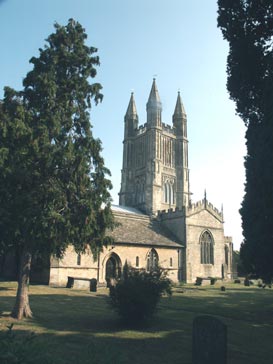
[248,27]
[53,181]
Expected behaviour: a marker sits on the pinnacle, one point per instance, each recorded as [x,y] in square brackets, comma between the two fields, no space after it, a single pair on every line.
[179,107]
[154,99]
[131,110]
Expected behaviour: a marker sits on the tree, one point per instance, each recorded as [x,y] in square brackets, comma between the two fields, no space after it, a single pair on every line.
[53,181]
[248,27]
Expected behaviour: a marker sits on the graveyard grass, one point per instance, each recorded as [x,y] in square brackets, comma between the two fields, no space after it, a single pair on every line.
[74,326]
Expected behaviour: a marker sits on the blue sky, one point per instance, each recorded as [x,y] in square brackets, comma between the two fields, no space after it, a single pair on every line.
[176,40]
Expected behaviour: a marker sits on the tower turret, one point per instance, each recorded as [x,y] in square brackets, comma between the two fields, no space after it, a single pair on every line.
[131,118]
[182,170]
[154,107]
[127,193]
[180,118]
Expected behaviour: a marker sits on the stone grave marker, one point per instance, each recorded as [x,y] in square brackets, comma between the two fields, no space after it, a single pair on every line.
[209,341]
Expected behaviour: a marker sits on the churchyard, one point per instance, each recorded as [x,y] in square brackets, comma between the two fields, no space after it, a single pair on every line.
[76,326]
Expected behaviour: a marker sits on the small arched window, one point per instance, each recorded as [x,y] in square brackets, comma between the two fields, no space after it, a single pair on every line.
[207,249]
[152,260]
[171,262]
[137,262]
[79,259]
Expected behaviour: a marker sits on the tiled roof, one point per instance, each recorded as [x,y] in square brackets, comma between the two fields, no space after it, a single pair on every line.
[139,229]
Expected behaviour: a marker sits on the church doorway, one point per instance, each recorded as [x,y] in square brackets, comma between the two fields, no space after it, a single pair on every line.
[113,268]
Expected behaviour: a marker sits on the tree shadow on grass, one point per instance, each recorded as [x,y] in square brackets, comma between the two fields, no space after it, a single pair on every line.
[84,329]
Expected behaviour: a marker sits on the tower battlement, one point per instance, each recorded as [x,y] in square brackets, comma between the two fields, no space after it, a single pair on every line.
[142,129]
[168,128]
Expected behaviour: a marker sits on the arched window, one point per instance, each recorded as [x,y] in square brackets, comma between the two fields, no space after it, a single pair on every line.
[171,194]
[207,251]
[152,260]
[171,262]
[137,262]
[78,259]
[168,193]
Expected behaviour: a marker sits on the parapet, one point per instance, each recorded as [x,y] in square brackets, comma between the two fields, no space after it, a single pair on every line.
[204,205]
[171,213]
[142,129]
[169,129]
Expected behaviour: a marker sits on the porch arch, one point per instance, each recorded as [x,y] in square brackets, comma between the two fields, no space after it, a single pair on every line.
[112,267]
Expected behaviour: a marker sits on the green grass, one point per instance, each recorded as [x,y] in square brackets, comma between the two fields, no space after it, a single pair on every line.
[80,327]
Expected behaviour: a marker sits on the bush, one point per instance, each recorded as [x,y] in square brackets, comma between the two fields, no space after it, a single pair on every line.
[136,295]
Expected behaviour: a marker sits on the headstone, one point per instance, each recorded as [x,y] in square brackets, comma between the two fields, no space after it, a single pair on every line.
[209,341]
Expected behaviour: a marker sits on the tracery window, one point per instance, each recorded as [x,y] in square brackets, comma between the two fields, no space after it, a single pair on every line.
[152,260]
[207,249]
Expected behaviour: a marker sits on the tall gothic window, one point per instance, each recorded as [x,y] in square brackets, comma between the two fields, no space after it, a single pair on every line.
[168,196]
[152,260]
[207,250]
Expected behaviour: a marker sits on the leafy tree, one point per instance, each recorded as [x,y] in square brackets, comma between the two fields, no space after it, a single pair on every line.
[53,181]
[248,27]
[135,297]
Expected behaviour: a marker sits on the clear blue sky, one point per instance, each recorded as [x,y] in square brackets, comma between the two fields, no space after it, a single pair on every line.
[176,40]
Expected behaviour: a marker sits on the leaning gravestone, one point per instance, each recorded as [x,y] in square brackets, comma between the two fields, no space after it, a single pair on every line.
[209,344]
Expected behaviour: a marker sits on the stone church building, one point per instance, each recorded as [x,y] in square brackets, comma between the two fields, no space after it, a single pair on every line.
[158,222]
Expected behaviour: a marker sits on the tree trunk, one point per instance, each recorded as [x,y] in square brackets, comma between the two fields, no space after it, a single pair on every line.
[21,308]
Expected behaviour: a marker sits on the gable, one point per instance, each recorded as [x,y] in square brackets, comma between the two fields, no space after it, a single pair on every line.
[204,218]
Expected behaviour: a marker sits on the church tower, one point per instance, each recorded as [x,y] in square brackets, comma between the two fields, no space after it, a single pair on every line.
[155,174]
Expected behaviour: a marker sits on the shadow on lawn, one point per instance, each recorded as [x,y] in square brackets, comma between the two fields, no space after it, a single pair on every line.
[77,348]
[84,329]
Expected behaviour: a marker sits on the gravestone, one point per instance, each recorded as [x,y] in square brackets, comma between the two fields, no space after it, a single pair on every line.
[209,341]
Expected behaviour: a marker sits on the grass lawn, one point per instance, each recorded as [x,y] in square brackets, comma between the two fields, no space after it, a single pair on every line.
[79,327]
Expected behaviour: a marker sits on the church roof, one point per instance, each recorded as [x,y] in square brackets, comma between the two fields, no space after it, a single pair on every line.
[138,229]
[126,210]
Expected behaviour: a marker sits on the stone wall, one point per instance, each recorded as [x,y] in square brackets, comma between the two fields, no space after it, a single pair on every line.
[195,226]
[89,268]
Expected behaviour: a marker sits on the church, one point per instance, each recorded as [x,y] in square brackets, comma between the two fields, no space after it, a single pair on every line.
[158,222]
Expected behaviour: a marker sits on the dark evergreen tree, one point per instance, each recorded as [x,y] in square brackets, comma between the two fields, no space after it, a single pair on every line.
[248,27]
[53,181]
